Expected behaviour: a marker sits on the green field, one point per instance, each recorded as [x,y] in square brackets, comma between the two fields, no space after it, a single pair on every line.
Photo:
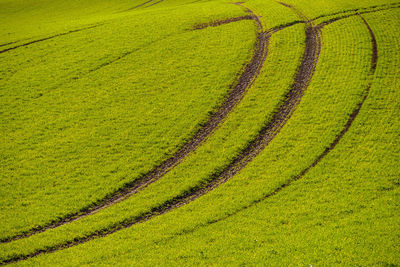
[183,132]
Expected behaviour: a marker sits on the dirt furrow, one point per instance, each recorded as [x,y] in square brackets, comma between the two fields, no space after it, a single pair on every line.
[245,80]
[285,110]
[284,26]
[220,22]
[48,38]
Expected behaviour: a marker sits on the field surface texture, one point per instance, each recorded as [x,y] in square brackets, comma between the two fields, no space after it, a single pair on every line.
[181,132]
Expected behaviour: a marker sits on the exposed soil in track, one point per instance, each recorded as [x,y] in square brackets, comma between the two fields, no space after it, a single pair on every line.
[48,38]
[244,81]
[221,22]
[284,26]
[285,110]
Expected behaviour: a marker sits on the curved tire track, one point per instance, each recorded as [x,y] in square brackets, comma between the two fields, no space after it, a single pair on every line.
[221,22]
[245,80]
[285,110]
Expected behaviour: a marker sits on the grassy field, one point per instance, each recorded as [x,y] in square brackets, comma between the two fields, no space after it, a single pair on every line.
[216,152]
[96,94]
[118,133]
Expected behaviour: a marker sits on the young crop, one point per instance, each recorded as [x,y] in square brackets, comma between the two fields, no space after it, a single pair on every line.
[102,119]
[217,152]
[281,228]
[301,170]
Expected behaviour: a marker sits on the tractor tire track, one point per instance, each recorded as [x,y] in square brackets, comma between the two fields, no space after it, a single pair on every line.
[48,38]
[353,115]
[285,110]
[221,22]
[244,81]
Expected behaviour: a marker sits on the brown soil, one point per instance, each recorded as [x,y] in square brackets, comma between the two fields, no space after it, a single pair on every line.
[220,22]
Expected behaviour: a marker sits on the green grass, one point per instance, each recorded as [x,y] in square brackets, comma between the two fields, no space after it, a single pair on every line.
[344,211]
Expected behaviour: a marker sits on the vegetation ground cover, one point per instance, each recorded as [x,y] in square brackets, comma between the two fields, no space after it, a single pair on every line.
[342,208]
[108,124]
[221,147]
[238,81]
[332,92]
